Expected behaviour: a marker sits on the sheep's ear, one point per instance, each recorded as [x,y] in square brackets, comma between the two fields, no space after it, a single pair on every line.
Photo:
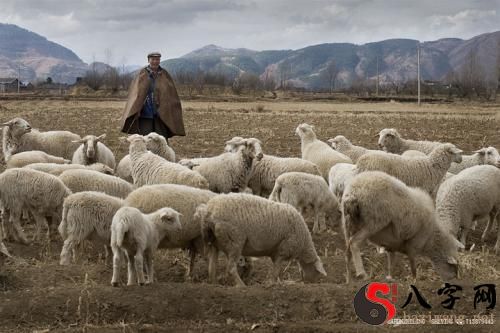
[101,137]
[458,243]
[79,141]
[318,265]
[4,250]
[481,151]
[455,150]
[452,261]
[8,123]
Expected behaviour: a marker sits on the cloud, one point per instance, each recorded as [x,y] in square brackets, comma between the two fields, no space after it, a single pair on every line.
[131,28]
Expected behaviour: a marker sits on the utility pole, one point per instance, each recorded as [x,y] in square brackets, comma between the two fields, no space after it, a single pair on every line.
[377,79]
[418,71]
[18,79]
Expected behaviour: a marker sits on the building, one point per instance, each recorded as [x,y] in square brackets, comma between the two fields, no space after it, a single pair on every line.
[8,85]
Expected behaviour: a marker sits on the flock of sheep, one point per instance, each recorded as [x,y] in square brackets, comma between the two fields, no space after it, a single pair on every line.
[413,197]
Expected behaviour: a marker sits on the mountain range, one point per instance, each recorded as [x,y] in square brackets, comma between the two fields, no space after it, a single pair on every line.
[38,58]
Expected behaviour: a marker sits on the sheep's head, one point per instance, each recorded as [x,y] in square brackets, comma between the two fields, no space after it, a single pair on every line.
[444,255]
[89,143]
[251,148]
[489,156]
[452,151]
[137,141]
[233,144]
[155,141]
[170,220]
[388,140]
[339,141]
[18,127]
[103,168]
[305,131]
[312,272]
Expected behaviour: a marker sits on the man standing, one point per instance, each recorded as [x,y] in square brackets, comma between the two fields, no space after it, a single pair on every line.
[153,104]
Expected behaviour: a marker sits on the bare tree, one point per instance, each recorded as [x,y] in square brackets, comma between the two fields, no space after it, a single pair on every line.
[330,73]
[285,73]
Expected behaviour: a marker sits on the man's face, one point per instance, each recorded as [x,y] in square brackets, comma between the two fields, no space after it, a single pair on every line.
[154,62]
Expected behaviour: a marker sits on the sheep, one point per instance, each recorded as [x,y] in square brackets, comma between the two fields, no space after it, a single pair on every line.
[341,144]
[80,180]
[155,143]
[42,194]
[269,167]
[302,190]
[230,172]
[241,224]
[472,194]
[86,215]
[424,172]
[340,176]
[149,168]
[22,159]
[482,156]
[183,199]
[18,136]
[58,169]
[4,253]
[136,236]
[413,153]
[93,151]
[392,142]
[382,209]
[318,152]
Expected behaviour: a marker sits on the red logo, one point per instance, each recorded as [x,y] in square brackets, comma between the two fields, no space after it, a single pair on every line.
[373,309]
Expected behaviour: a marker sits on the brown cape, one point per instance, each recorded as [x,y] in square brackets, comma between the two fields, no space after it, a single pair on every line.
[168,103]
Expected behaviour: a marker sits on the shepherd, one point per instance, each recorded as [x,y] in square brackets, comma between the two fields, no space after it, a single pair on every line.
[153,104]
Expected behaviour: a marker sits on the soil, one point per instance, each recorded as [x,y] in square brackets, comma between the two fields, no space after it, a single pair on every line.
[39,295]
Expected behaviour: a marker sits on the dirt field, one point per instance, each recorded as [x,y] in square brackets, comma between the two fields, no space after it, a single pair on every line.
[36,294]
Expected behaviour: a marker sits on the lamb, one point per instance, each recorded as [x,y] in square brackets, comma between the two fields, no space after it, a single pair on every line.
[155,143]
[183,199]
[42,194]
[22,159]
[382,209]
[472,194]
[302,190]
[340,176]
[341,144]
[482,156]
[86,215]
[230,172]
[392,142]
[58,169]
[424,172]
[240,224]
[266,170]
[318,152]
[88,180]
[18,136]
[149,168]
[93,151]
[136,236]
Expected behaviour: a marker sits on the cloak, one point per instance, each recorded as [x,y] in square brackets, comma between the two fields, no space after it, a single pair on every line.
[168,104]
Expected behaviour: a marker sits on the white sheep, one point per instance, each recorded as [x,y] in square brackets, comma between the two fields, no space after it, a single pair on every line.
[155,143]
[230,172]
[482,156]
[266,170]
[340,176]
[18,136]
[136,237]
[240,224]
[183,199]
[318,152]
[80,180]
[57,169]
[341,144]
[381,209]
[392,142]
[303,191]
[149,168]
[86,215]
[22,159]
[413,153]
[42,194]
[424,172]
[472,194]
[93,151]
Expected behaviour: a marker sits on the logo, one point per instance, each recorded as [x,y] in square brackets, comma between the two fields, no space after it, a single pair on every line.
[373,309]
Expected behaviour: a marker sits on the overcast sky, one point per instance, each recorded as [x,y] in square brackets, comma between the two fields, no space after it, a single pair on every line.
[129,29]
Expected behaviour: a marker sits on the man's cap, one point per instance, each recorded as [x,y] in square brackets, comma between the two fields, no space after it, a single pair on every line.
[154,54]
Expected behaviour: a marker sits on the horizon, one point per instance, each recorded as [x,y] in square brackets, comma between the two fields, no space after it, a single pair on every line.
[186,26]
